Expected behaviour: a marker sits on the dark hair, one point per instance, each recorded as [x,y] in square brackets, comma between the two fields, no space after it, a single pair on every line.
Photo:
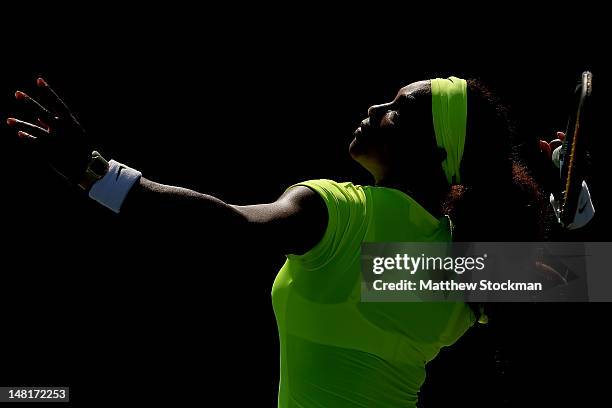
[503,197]
[499,198]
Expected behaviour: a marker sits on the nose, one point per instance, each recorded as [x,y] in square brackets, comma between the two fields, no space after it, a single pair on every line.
[375,112]
[373,109]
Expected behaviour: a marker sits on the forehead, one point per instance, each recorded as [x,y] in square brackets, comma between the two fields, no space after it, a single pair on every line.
[415,88]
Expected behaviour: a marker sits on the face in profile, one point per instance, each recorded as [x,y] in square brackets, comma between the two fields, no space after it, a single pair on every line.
[397,136]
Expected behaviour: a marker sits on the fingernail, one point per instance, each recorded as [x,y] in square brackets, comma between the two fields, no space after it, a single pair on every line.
[22,134]
[11,121]
[20,95]
[41,82]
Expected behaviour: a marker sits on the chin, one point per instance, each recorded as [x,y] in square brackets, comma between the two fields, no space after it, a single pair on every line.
[355,149]
[351,148]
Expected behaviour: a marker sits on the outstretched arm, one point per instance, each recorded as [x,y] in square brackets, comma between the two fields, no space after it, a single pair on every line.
[294,223]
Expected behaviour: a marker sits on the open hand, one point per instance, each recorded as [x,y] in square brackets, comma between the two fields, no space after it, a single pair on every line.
[49,126]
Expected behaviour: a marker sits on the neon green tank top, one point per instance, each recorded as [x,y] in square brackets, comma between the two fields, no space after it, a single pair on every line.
[337,351]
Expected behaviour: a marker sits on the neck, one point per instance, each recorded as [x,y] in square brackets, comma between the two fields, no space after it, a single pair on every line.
[430,198]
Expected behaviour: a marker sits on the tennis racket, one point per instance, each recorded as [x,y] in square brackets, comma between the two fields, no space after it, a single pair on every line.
[572,202]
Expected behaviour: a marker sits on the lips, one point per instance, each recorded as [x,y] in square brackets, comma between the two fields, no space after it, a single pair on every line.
[359,133]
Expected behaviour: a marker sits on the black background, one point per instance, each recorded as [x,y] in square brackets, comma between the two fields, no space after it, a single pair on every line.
[241,103]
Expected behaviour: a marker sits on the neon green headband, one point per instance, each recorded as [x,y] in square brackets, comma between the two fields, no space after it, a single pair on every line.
[449,111]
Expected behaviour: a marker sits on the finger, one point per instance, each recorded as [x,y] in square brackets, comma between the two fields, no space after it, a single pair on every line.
[545,148]
[25,135]
[33,104]
[32,129]
[561,135]
[55,100]
[555,143]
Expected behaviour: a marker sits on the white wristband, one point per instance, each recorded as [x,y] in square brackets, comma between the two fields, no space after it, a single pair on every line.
[111,190]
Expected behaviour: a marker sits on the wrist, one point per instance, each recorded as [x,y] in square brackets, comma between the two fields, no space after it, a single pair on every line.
[112,189]
[97,168]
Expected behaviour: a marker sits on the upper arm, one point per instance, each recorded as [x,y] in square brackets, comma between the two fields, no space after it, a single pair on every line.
[293,224]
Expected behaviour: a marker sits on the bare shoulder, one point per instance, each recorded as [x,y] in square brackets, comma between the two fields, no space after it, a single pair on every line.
[302,197]
[294,223]
[301,206]
[309,215]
